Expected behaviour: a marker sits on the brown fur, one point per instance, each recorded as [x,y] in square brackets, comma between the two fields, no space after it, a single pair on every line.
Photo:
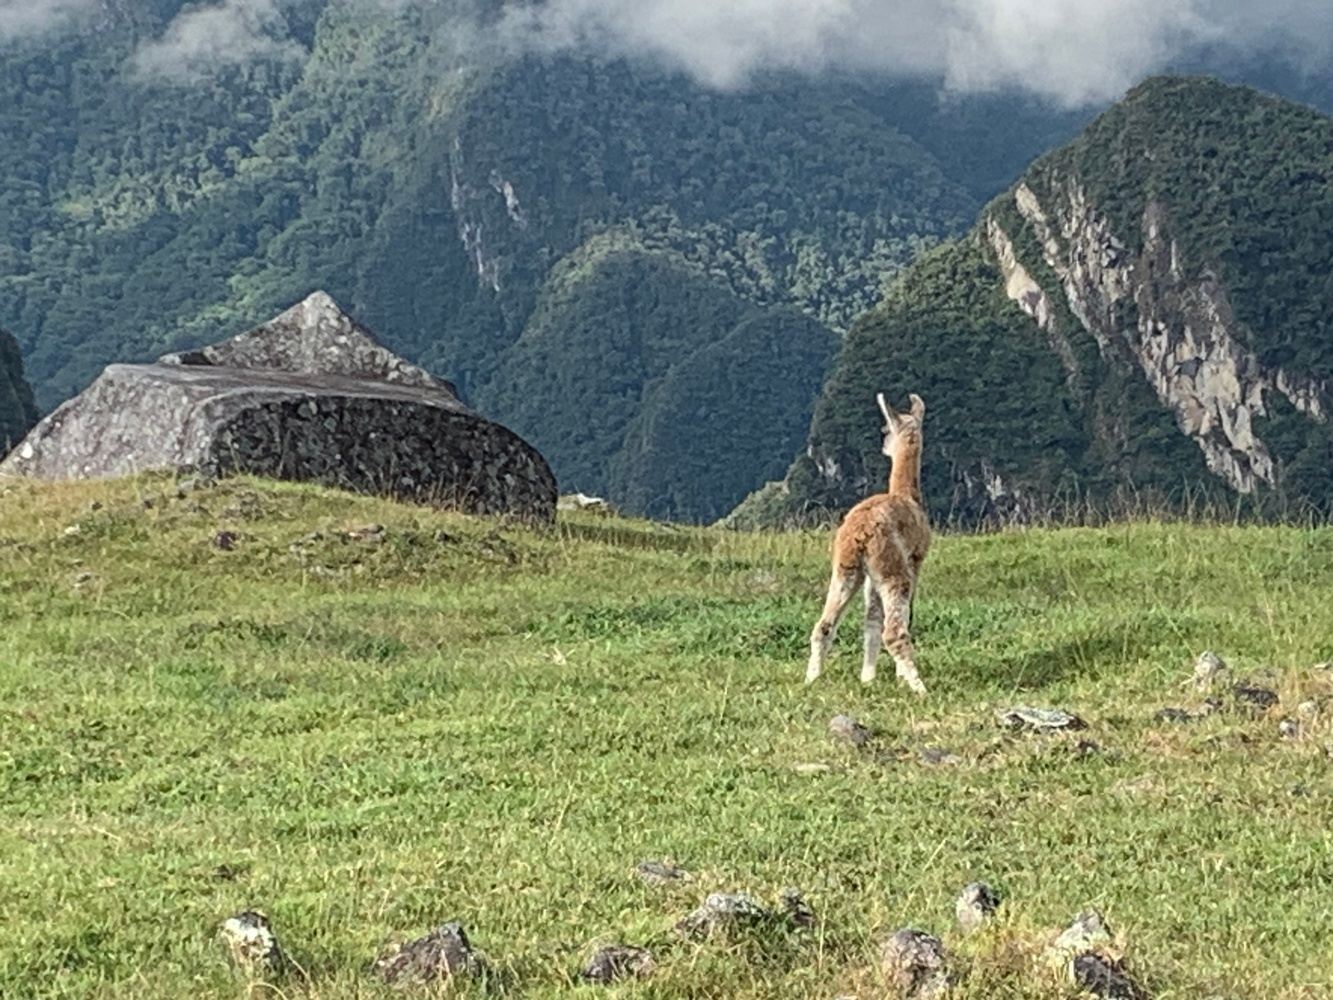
[881,543]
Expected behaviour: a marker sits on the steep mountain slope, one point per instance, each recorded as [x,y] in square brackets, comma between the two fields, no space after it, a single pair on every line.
[18,412]
[1148,311]
[443,191]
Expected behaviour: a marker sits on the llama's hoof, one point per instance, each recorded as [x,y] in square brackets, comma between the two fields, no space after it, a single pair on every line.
[867,678]
[811,678]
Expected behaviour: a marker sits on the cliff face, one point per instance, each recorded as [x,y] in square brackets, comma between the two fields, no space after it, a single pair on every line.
[1145,315]
[1147,311]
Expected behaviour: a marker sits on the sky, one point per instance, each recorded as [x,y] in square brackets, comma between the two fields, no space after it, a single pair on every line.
[1072,52]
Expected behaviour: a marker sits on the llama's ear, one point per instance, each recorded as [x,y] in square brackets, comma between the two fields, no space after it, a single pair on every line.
[890,417]
[918,407]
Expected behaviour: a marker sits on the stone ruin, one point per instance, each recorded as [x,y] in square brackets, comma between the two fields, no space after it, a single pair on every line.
[310,396]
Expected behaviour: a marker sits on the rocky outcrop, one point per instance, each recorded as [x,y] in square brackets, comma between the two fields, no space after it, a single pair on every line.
[1184,337]
[18,412]
[308,396]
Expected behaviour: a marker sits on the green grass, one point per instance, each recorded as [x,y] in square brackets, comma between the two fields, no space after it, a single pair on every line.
[472,721]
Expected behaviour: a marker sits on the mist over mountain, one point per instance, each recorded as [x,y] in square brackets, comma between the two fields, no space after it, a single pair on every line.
[517,194]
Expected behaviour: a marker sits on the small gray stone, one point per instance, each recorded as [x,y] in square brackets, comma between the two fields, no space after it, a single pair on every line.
[846,728]
[660,872]
[1039,719]
[225,540]
[721,911]
[252,944]
[915,965]
[976,904]
[1257,700]
[1088,932]
[1208,669]
[796,909]
[1307,710]
[619,961]
[937,757]
[1289,729]
[439,956]
[1104,978]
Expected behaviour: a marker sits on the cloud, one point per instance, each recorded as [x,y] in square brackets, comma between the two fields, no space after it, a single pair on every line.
[30,18]
[1073,51]
[202,39]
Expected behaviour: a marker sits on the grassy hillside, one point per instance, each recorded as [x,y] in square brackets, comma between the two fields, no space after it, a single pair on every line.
[465,721]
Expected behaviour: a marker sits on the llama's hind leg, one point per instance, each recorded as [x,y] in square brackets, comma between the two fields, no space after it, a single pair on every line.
[874,629]
[840,591]
[898,637]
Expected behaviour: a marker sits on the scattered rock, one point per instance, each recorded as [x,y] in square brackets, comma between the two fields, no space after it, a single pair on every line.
[1104,978]
[581,501]
[439,956]
[372,533]
[660,872]
[915,965]
[846,728]
[1289,729]
[796,909]
[225,540]
[1256,700]
[1039,719]
[252,945]
[619,961]
[1307,710]
[720,911]
[84,578]
[976,904]
[1088,932]
[1209,668]
[937,757]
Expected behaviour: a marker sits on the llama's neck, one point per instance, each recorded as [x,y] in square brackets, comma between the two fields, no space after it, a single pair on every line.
[905,476]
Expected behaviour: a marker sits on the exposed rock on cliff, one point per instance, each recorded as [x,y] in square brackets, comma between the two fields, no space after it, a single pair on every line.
[308,396]
[1142,320]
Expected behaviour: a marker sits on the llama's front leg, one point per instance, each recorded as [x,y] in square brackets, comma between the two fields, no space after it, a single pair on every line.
[898,638]
[840,591]
[874,629]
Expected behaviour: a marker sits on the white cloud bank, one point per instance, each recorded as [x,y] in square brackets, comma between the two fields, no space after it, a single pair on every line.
[31,18]
[203,38]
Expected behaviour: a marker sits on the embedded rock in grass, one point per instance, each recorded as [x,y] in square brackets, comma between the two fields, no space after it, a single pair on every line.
[439,956]
[1088,932]
[1289,729]
[581,501]
[309,396]
[1209,668]
[619,961]
[846,728]
[1039,719]
[225,540]
[660,872]
[937,757]
[723,911]
[1307,710]
[796,909]
[975,905]
[1104,978]
[915,965]
[252,945]
[1253,699]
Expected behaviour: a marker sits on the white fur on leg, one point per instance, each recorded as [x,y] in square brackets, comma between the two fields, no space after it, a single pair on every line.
[874,631]
[840,591]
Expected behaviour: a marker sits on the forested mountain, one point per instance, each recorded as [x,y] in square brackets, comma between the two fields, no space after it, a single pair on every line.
[1147,313]
[18,412]
[515,222]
